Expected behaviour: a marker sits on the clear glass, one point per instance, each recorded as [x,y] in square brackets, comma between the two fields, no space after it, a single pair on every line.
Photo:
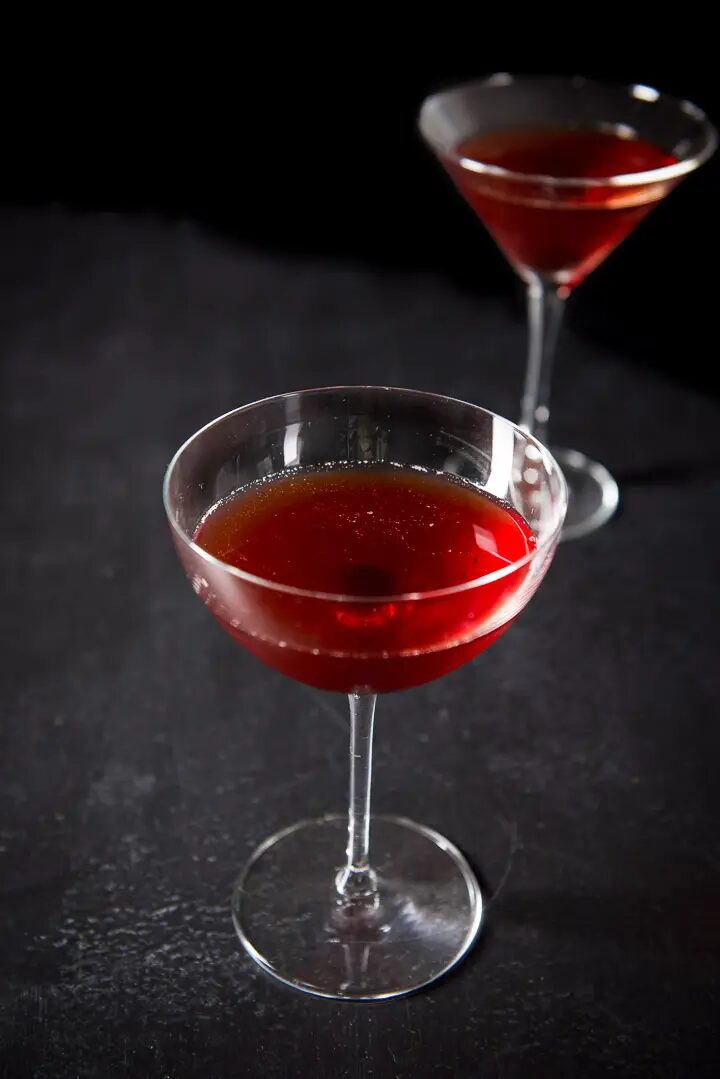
[554,229]
[403,906]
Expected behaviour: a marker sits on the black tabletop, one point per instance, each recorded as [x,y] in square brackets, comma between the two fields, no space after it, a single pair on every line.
[144,755]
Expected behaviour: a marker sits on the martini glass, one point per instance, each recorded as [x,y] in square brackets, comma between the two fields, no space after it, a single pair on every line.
[385,918]
[560,171]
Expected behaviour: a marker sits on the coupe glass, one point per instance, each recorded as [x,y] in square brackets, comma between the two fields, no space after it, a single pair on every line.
[366,926]
[554,227]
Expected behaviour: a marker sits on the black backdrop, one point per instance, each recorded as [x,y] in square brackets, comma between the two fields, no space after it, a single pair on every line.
[308,143]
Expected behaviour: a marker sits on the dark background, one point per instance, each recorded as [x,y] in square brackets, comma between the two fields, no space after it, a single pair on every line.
[307,143]
[200,214]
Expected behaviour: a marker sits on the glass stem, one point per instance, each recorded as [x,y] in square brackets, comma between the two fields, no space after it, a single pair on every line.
[356,879]
[545,311]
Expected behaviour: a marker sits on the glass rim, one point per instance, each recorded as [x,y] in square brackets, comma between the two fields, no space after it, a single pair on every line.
[307,593]
[628,179]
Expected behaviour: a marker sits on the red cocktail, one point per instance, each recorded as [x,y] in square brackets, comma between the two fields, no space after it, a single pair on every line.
[560,171]
[362,539]
[368,532]
[562,233]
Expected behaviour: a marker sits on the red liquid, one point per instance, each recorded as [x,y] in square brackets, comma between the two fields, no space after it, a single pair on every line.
[363,531]
[559,232]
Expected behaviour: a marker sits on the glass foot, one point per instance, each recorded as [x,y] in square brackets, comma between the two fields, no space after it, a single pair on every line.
[593,493]
[424,919]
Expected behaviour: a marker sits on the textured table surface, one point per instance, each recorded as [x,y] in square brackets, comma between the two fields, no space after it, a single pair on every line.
[144,755]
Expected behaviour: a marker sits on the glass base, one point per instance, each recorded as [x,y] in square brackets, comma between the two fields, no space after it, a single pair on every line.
[424,918]
[593,493]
